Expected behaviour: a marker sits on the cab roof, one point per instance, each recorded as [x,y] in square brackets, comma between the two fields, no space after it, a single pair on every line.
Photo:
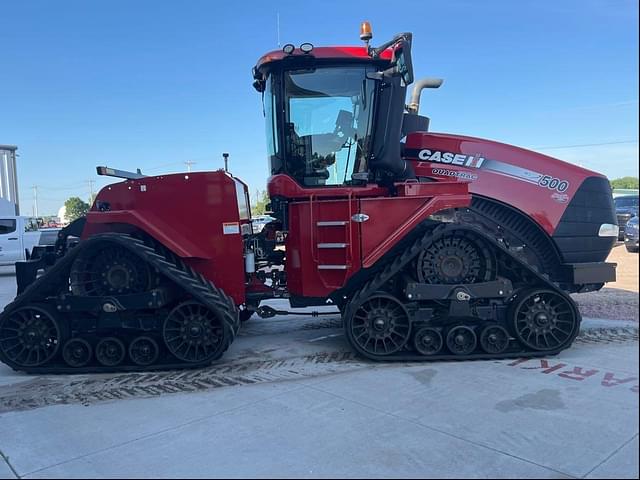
[324,53]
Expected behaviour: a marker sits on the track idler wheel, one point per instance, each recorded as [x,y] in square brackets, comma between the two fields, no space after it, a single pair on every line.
[110,351]
[427,341]
[461,340]
[77,352]
[144,351]
[544,320]
[29,337]
[494,339]
[377,326]
[194,333]
[456,259]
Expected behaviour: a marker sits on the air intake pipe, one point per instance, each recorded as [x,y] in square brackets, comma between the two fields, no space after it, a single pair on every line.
[429,82]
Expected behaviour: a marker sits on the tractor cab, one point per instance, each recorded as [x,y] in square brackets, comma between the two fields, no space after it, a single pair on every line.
[334,114]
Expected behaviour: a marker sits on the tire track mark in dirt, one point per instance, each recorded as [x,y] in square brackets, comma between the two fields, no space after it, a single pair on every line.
[89,389]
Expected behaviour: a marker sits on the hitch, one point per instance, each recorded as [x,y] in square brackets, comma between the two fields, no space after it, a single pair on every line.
[265,311]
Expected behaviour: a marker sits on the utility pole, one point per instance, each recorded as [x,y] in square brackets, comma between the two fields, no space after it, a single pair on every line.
[188,163]
[226,160]
[35,200]
[90,182]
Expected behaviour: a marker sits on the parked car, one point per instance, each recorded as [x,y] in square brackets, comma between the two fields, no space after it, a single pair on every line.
[259,221]
[626,208]
[631,235]
[18,236]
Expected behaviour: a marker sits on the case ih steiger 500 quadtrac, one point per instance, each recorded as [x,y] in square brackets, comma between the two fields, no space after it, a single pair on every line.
[432,246]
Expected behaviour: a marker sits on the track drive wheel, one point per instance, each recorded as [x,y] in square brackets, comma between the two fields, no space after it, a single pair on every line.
[456,258]
[544,320]
[110,269]
[378,325]
[194,333]
[29,337]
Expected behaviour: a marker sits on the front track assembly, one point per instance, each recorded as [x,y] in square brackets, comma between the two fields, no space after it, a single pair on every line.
[117,303]
[457,294]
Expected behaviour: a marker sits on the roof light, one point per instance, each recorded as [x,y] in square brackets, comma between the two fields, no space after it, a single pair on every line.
[288,48]
[365,32]
[306,47]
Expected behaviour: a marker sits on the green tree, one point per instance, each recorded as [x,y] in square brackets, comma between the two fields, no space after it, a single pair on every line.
[625,182]
[260,205]
[75,208]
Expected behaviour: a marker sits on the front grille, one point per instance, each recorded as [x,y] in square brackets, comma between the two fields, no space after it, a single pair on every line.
[577,232]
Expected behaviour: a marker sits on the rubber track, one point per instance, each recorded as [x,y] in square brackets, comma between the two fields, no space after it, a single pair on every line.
[410,253]
[159,258]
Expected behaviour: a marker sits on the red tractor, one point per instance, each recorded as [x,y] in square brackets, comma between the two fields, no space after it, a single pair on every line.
[431,245]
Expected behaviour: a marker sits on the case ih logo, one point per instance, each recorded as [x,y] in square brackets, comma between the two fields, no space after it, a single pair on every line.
[471,161]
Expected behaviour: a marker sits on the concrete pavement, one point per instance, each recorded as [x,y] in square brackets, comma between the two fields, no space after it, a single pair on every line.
[290,400]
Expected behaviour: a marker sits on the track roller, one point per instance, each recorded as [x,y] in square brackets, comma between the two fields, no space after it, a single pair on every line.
[461,340]
[77,352]
[427,341]
[494,339]
[143,351]
[110,351]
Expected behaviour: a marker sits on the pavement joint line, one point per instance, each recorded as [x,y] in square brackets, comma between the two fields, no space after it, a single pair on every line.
[611,455]
[449,434]
[160,432]
[6,460]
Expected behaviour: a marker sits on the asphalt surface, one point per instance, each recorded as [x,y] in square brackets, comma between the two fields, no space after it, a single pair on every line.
[289,399]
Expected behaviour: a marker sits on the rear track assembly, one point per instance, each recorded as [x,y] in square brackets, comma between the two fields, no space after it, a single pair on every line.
[117,303]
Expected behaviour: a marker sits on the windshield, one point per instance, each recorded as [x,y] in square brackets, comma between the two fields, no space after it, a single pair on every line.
[326,123]
[626,202]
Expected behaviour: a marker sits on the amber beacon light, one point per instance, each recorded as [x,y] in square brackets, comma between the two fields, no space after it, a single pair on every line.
[365,32]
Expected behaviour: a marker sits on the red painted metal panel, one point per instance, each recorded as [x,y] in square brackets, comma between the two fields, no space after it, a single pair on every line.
[314,224]
[284,186]
[185,212]
[392,218]
[518,177]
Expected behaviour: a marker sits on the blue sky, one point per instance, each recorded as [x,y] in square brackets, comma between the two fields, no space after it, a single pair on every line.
[152,84]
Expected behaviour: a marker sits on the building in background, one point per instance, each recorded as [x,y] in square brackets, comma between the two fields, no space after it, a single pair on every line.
[9,199]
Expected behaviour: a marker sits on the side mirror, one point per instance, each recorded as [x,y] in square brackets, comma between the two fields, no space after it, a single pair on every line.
[402,61]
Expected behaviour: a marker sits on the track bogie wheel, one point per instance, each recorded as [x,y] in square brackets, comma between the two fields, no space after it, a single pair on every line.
[494,339]
[461,340]
[194,333]
[143,351]
[29,337]
[378,325]
[427,341]
[110,351]
[544,320]
[77,352]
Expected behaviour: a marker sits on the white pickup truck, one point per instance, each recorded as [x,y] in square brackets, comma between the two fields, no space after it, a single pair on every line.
[18,236]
